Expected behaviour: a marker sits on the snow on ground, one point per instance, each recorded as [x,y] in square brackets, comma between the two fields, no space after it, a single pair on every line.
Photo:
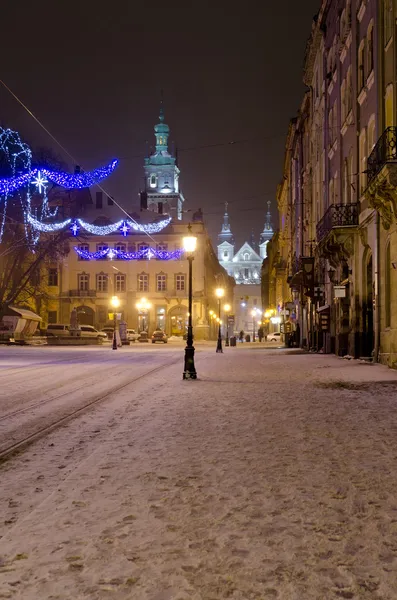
[272,476]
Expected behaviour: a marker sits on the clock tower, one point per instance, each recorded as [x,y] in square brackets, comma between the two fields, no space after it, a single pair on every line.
[162,194]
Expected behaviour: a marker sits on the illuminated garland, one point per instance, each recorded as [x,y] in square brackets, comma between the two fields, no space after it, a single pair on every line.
[145,253]
[37,178]
[123,226]
[46,227]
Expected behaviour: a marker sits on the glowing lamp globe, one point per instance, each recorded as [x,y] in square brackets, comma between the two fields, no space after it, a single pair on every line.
[227,308]
[220,292]
[115,302]
[189,243]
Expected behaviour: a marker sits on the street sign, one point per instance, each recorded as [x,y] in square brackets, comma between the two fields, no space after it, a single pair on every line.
[324,321]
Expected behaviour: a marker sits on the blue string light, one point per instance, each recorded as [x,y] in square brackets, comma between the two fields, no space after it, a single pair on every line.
[37,178]
[145,253]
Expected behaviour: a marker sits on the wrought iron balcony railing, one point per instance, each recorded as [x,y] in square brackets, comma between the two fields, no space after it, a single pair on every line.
[385,150]
[337,215]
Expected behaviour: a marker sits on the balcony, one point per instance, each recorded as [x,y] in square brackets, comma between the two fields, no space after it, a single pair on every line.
[79,294]
[385,151]
[337,216]
[382,177]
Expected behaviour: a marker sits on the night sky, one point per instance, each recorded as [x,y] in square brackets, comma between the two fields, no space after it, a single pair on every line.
[93,76]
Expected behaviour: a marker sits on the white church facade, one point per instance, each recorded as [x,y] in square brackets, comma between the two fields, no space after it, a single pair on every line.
[244,265]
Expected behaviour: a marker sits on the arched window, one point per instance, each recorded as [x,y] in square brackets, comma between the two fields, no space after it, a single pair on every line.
[388,20]
[370,49]
[246,256]
[362,147]
[387,287]
[153,180]
[361,66]
[346,182]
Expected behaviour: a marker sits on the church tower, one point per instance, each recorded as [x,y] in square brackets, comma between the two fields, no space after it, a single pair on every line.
[162,194]
[266,234]
[226,240]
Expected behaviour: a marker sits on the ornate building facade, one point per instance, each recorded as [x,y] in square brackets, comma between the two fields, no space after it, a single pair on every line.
[337,238]
[145,267]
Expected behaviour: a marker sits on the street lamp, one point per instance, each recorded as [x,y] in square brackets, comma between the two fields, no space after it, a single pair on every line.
[227,309]
[115,302]
[253,313]
[220,292]
[189,245]
[143,306]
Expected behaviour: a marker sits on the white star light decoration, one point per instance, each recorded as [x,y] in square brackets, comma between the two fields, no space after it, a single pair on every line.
[40,182]
[124,229]
[111,254]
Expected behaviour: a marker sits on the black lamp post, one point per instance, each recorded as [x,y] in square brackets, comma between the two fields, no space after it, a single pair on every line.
[189,244]
[115,304]
[226,309]
[220,293]
[253,313]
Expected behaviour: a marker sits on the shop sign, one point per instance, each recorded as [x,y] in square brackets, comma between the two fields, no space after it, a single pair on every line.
[324,321]
[340,291]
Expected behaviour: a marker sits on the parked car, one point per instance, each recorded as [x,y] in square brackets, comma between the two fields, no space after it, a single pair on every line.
[132,335]
[143,336]
[58,330]
[159,336]
[274,337]
[90,331]
[108,331]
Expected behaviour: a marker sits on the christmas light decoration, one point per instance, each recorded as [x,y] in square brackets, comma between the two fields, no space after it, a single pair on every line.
[37,178]
[46,227]
[39,182]
[124,229]
[145,253]
[74,228]
[123,226]
[18,157]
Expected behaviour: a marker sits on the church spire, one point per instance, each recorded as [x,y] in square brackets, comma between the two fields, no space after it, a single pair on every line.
[161,130]
[267,232]
[226,232]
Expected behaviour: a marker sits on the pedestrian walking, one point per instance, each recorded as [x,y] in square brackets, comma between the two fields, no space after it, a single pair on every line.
[241,336]
[260,334]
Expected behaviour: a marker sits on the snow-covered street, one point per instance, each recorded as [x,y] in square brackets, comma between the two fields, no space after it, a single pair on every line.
[271,476]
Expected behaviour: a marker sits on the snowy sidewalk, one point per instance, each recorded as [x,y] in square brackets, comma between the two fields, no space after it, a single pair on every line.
[272,476]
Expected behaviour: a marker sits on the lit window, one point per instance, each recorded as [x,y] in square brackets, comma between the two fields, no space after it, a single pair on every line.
[84,248]
[143,282]
[180,282]
[101,247]
[102,282]
[153,181]
[120,282]
[83,282]
[161,282]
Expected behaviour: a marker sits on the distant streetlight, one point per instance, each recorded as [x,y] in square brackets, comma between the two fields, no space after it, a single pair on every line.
[115,302]
[219,292]
[143,306]
[226,309]
[189,245]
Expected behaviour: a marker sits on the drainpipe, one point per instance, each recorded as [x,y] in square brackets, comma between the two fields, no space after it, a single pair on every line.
[377,289]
